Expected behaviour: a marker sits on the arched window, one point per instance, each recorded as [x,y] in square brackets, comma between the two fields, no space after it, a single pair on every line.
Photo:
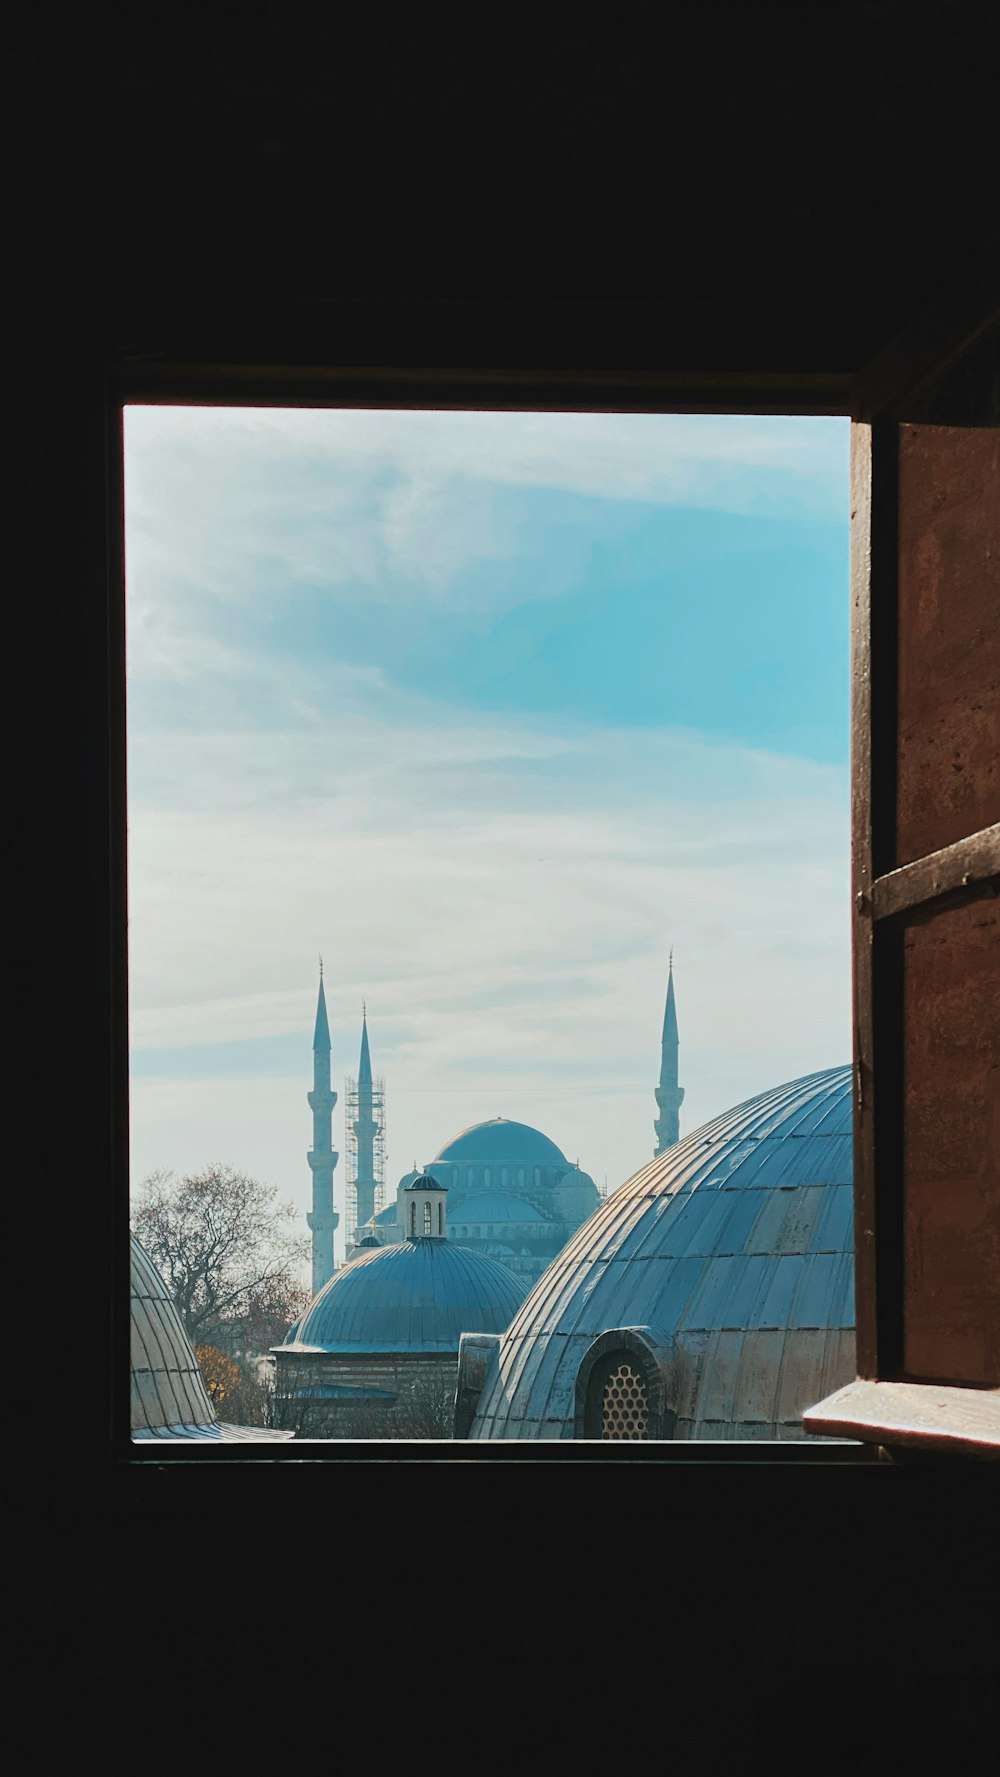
[538,1175]
[413,1218]
[487,1177]
[427,1216]
[618,1405]
[520,1175]
[503,1177]
[440,1218]
[470,1177]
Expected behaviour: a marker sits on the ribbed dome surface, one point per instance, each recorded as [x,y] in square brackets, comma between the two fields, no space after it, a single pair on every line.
[494,1206]
[418,1296]
[169,1398]
[501,1142]
[735,1247]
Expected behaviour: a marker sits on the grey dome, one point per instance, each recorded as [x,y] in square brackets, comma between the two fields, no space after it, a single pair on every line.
[494,1206]
[420,1295]
[501,1142]
[733,1254]
[169,1397]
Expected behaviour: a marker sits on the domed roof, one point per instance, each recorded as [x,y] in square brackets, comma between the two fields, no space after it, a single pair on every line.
[422,1181]
[500,1141]
[417,1296]
[735,1247]
[169,1397]
[494,1206]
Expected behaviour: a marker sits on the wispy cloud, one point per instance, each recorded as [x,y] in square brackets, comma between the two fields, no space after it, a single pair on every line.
[502,888]
[348,498]
[503,896]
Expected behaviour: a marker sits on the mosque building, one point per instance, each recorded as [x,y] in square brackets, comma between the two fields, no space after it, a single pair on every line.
[712,1296]
[376,1353]
[513,1196]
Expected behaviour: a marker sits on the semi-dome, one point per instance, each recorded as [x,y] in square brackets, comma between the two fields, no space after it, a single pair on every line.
[712,1296]
[419,1295]
[502,1142]
[169,1397]
[494,1206]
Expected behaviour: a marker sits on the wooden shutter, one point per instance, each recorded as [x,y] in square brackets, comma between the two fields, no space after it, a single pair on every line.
[926,873]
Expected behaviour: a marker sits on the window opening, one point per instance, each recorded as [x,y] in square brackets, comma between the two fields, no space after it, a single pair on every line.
[609,652]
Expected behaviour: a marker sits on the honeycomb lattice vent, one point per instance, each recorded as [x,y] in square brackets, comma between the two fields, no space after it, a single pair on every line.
[624,1405]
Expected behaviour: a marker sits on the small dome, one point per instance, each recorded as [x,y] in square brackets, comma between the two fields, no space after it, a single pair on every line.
[501,1142]
[493,1206]
[386,1217]
[169,1397]
[733,1250]
[422,1181]
[418,1296]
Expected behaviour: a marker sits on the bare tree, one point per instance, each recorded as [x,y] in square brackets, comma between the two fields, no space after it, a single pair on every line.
[227,1254]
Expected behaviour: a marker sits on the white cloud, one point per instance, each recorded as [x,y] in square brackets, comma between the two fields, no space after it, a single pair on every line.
[219,500]
[503,891]
[508,927]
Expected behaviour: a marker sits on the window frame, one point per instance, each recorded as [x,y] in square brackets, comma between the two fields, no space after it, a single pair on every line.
[172,377]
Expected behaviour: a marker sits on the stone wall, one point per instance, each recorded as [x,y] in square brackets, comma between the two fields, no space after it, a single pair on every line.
[366,1394]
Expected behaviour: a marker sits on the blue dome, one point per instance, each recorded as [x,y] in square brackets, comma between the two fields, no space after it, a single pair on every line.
[733,1250]
[500,1142]
[417,1296]
[494,1206]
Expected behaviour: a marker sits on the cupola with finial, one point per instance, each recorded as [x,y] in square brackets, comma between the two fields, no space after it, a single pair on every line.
[424,1208]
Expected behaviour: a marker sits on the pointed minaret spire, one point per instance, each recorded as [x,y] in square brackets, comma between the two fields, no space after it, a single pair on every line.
[365,1128]
[669,1095]
[322,1218]
[321,1034]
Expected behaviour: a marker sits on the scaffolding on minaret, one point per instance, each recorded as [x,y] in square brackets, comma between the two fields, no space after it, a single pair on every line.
[364,1124]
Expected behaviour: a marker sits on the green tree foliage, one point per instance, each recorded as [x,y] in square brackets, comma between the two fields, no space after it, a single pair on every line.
[228,1255]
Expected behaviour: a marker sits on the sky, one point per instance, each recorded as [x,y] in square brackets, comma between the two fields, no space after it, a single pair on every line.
[491,711]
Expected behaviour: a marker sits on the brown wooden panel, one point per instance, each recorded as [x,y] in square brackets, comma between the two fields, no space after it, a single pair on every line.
[949,628]
[951,1186]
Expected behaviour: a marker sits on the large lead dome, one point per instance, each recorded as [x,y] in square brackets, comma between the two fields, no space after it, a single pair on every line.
[417,1296]
[502,1141]
[712,1296]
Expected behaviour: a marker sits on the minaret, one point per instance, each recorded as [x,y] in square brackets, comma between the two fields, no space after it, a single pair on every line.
[365,1130]
[668,1094]
[322,1218]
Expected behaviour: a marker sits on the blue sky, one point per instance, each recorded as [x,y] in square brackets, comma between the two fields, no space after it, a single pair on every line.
[491,710]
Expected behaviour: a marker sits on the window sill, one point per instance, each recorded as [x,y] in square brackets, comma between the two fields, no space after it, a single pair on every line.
[914,1415]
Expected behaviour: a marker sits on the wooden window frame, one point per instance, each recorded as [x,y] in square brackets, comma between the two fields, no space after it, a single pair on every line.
[886,1406]
[874,400]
